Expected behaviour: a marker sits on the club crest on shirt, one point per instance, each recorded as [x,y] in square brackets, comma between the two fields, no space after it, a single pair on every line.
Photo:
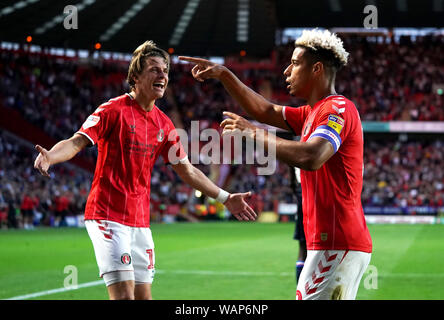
[125,258]
[160,135]
[307,129]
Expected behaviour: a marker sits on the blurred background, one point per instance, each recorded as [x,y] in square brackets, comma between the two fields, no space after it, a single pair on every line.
[60,60]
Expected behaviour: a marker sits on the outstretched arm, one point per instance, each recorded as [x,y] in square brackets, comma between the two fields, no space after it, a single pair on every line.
[310,155]
[234,202]
[60,152]
[253,103]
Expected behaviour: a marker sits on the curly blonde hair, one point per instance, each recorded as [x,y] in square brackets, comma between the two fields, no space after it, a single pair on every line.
[324,44]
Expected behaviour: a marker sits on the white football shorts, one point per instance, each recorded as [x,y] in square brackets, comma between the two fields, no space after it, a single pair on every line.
[122,248]
[332,274]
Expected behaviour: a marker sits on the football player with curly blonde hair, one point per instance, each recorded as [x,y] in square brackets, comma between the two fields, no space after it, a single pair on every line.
[329,153]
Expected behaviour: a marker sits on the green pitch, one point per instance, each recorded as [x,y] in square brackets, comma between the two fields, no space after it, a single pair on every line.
[220,261]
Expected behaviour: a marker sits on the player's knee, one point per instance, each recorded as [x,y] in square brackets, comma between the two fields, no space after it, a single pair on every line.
[123,295]
[143,296]
[142,291]
[121,291]
[120,285]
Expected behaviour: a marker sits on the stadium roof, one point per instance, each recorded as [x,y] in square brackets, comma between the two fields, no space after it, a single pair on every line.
[196,27]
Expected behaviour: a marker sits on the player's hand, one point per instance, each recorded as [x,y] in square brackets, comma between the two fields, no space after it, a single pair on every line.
[235,122]
[204,69]
[237,205]
[42,162]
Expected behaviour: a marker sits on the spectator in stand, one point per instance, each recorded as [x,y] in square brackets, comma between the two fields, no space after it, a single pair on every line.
[27,207]
[11,209]
[61,202]
[3,212]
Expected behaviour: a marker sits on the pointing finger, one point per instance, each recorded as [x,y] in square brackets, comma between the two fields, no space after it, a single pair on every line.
[192,59]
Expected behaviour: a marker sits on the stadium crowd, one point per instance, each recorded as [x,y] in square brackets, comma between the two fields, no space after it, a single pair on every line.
[389,81]
[25,195]
[404,174]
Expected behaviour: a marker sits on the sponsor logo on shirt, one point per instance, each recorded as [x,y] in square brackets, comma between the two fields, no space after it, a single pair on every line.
[91,122]
[307,129]
[140,148]
[335,122]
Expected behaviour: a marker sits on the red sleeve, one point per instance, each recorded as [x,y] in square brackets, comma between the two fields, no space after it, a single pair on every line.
[98,124]
[172,150]
[295,117]
[331,123]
